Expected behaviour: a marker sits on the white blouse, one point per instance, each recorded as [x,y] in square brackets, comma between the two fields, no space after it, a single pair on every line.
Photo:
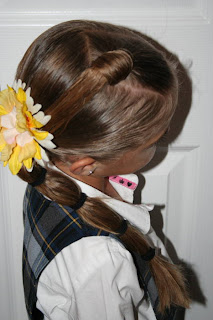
[95,277]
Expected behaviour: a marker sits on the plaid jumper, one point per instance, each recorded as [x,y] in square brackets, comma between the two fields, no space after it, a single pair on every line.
[50,227]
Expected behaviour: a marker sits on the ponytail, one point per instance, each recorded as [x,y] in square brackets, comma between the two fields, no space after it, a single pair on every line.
[61,189]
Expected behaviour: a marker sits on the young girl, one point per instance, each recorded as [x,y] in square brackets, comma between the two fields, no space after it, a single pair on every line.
[107,96]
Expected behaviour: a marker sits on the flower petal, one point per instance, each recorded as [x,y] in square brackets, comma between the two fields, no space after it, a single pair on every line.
[28,164]
[50,136]
[7,151]
[44,155]
[21,124]
[2,111]
[29,100]
[40,162]
[35,108]
[5,163]
[30,169]
[42,118]
[21,95]
[18,84]
[40,135]
[47,144]
[36,124]
[38,151]
[24,138]
[2,140]
[2,146]
[14,85]
[10,135]
[9,120]
[8,100]
[14,164]
[28,92]
[27,152]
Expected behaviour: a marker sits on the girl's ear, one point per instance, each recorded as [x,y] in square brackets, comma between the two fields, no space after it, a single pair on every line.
[83,167]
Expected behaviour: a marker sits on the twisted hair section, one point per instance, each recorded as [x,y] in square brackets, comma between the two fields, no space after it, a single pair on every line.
[109,68]
[108,90]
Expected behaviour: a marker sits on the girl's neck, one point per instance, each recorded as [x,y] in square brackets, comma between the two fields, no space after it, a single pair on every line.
[100,183]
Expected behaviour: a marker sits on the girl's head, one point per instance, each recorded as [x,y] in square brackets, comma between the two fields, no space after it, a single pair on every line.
[107,89]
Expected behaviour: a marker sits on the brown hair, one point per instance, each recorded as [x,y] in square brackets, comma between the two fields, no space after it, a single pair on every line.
[108,90]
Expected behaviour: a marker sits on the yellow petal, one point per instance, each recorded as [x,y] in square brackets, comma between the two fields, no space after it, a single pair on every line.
[29,118]
[2,140]
[14,164]
[2,146]
[37,124]
[5,163]
[21,124]
[10,89]
[32,122]
[24,109]
[21,95]
[28,163]
[40,135]
[27,151]
[7,151]
[38,151]
[2,111]
[8,100]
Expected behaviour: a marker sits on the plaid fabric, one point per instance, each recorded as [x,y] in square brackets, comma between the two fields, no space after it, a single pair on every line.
[50,227]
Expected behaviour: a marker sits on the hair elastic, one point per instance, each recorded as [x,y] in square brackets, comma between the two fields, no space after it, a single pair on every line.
[149,255]
[122,229]
[81,201]
[40,179]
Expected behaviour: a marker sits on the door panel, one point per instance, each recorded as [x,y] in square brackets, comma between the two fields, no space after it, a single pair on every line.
[179,181]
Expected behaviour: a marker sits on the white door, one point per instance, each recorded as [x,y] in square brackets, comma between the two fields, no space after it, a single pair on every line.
[181,182]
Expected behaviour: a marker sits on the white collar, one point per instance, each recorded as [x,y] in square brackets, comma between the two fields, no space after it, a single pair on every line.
[137,215]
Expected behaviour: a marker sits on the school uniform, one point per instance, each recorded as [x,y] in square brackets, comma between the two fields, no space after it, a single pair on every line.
[74,271]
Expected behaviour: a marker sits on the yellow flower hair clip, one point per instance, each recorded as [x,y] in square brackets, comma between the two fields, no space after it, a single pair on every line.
[21,139]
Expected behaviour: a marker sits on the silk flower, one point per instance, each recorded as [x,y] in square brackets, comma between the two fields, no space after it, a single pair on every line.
[21,139]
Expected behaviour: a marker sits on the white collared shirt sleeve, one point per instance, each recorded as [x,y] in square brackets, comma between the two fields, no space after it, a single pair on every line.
[93,278]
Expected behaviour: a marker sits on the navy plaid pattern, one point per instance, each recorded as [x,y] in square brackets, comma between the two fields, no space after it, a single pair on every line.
[50,227]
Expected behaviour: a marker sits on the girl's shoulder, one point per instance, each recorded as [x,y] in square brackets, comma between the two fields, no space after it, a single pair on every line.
[88,277]
[51,228]
[88,259]
[47,215]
